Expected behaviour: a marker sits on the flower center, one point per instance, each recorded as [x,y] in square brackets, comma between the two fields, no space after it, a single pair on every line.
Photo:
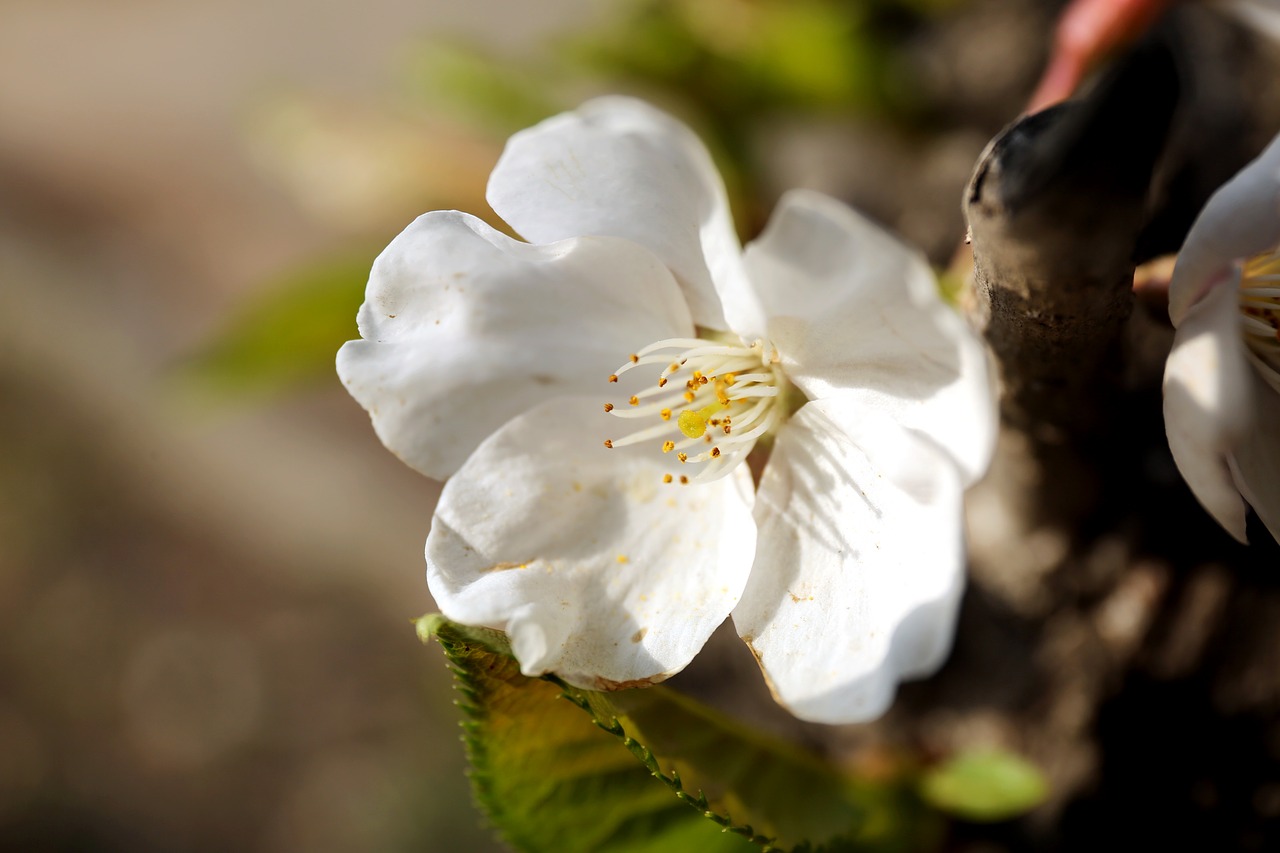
[712,401]
[1260,313]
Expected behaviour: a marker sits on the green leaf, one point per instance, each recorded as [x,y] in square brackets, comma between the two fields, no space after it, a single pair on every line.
[656,771]
[290,335]
[985,786]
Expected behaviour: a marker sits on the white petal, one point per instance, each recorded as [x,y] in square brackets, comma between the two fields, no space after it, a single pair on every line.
[598,570]
[465,328]
[619,166]
[1239,221]
[1208,395]
[852,309]
[1256,457]
[859,569]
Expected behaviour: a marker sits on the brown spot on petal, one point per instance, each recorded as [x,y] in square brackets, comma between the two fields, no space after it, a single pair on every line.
[604,684]
[639,635]
[750,641]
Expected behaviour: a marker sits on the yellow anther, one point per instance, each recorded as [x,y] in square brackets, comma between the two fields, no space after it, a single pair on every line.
[634,358]
[666,478]
[683,457]
[715,453]
[608,443]
[729,378]
[665,414]
[722,393]
[635,401]
[668,446]
[613,377]
[608,407]
[684,481]
[688,396]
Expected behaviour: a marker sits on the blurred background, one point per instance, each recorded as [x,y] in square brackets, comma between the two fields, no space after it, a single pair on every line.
[208,564]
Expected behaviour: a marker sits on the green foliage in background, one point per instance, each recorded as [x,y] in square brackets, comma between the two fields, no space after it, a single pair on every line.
[555,767]
[478,88]
[727,66]
[289,336]
[985,786]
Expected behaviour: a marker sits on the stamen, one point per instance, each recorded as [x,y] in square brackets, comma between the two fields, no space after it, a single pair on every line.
[731,391]
[1260,314]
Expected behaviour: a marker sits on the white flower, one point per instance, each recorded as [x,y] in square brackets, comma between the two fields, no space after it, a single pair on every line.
[490,361]
[1222,380]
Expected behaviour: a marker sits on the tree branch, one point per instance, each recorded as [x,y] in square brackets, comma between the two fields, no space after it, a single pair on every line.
[1054,208]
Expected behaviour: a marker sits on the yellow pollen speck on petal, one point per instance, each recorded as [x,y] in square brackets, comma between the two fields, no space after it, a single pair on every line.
[635,401]
[729,378]
[692,423]
[608,407]
[613,377]
[608,443]
[623,558]
[665,414]
[684,481]
[666,478]
[673,368]
[668,446]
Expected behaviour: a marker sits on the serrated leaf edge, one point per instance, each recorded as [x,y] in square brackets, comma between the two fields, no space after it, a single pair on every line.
[646,757]
[456,649]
